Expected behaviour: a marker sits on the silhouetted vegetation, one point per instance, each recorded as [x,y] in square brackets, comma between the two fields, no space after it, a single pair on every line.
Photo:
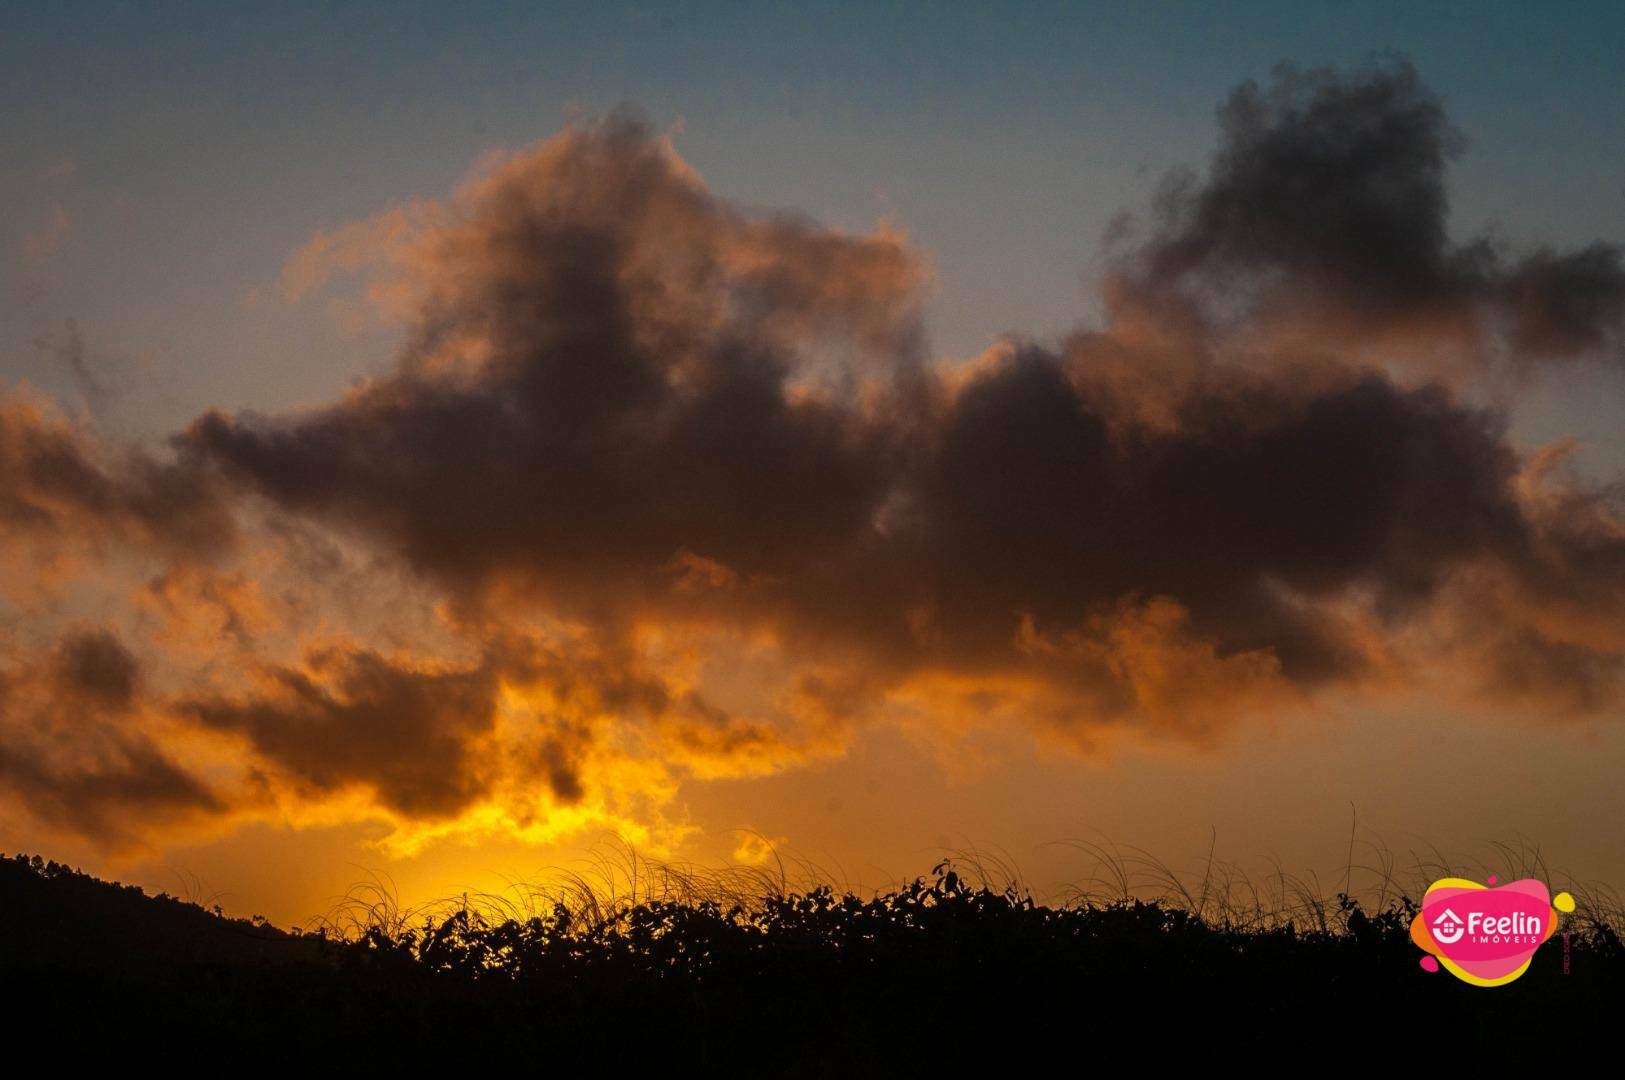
[812,981]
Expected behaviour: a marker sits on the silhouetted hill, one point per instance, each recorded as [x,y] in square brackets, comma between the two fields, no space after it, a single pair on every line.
[78,922]
[813,983]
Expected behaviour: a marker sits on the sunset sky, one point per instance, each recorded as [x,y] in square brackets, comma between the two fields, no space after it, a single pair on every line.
[435,439]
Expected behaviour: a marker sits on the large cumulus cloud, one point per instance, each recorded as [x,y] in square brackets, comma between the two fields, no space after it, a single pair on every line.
[688,497]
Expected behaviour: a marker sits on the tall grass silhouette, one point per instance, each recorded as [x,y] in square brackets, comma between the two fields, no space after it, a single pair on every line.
[614,881]
[626,962]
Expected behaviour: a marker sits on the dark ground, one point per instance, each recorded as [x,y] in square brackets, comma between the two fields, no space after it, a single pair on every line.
[930,979]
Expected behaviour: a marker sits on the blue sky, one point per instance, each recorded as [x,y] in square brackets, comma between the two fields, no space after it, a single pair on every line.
[191,148]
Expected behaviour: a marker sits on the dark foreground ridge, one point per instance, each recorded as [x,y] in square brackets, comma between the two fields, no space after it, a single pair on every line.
[811,983]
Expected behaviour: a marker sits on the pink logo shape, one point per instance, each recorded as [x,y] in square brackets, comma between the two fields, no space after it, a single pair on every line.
[1486,936]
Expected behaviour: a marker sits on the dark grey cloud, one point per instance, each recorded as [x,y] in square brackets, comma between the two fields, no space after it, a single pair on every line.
[1035,503]
[57,484]
[643,339]
[95,664]
[1327,203]
[356,718]
[653,394]
[422,735]
[74,750]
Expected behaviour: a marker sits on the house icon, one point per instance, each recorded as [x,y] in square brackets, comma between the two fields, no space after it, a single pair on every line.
[1448,927]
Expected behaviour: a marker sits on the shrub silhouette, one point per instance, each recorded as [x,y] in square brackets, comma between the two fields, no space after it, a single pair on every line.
[814,981]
